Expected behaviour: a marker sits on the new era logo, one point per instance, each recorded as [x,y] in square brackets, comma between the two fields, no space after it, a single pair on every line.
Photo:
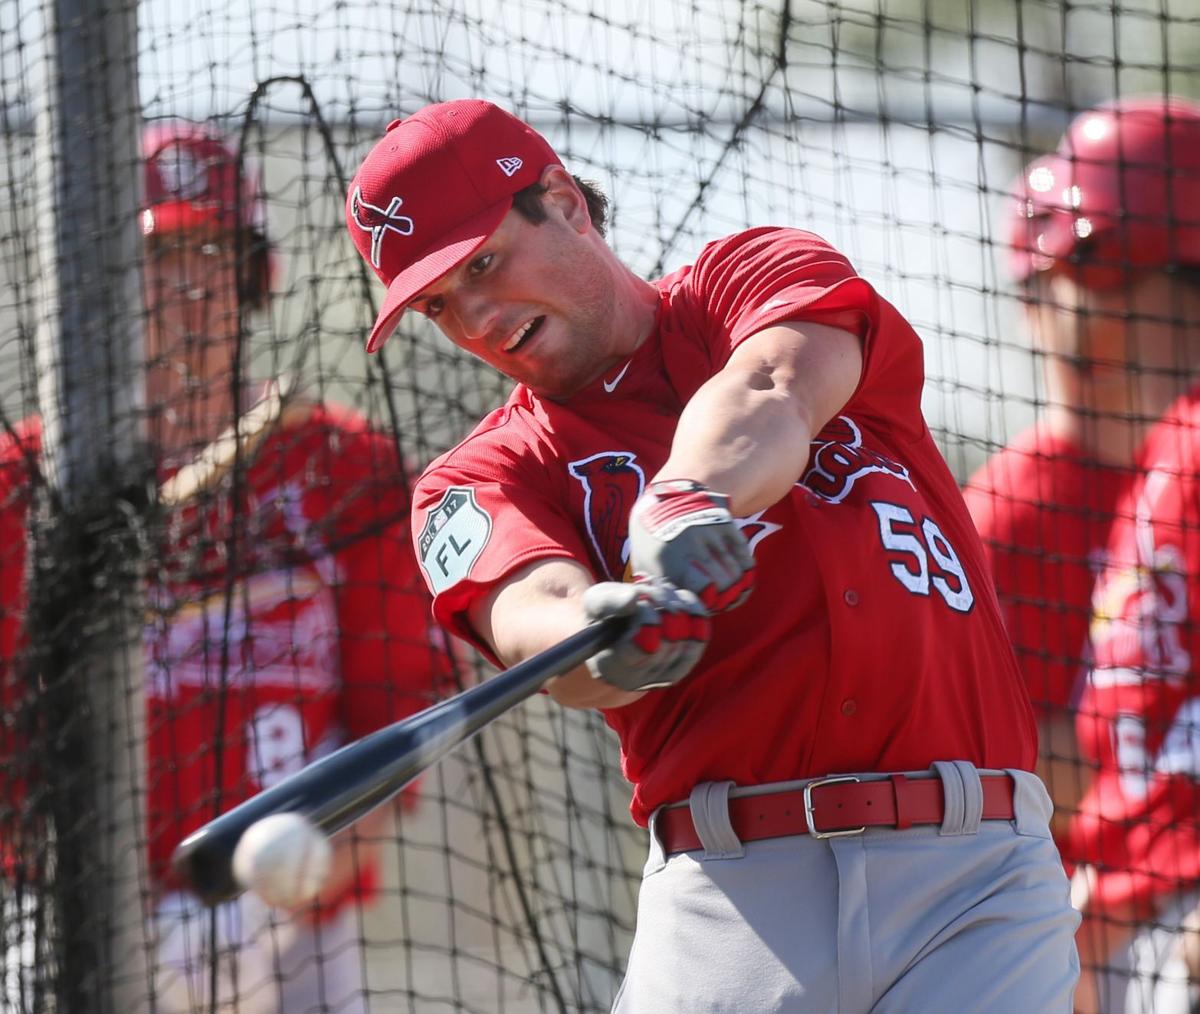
[508,166]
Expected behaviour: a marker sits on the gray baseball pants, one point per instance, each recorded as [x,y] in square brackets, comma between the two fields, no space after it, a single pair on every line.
[970,916]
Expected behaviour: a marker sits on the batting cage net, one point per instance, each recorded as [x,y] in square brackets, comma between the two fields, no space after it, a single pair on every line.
[206,578]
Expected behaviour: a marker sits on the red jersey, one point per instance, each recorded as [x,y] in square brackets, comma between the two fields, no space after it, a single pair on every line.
[872,640]
[1139,717]
[1043,508]
[327,636]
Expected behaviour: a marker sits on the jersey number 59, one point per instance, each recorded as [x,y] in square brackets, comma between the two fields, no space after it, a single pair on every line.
[917,543]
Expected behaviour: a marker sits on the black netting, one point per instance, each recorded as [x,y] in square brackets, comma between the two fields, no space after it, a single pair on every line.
[273,609]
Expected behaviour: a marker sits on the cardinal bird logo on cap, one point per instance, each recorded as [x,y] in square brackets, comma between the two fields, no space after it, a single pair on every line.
[612,481]
[183,175]
[379,221]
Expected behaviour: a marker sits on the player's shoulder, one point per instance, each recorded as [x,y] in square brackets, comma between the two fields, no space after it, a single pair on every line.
[766,241]
[495,449]
[334,415]
[21,444]
[1043,474]
[759,268]
[1173,444]
[1020,477]
[1180,422]
[308,423]
[20,454]
[22,435]
[1034,449]
[331,440]
[307,417]
[1039,450]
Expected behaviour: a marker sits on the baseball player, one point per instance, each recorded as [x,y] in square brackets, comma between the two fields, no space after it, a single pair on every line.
[1112,240]
[1044,503]
[819,712]
[1138,826]
[328,636]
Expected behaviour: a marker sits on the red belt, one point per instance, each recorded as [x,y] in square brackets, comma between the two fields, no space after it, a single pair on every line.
[834,807]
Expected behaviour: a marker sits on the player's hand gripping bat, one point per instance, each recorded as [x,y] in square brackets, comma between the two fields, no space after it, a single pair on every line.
[337,790]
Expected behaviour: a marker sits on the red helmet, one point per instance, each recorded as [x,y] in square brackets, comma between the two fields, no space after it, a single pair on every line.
[1121,193]
[192,180]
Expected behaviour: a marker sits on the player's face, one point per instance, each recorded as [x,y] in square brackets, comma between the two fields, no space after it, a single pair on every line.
[1112,343]
[536,301]
[191,327]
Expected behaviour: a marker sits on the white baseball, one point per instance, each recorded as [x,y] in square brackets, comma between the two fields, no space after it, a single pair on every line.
[283,859]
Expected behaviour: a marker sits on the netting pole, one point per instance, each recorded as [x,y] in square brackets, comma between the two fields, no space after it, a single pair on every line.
[88,531]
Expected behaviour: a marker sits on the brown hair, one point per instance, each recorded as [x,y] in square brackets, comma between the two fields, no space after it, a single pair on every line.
[529,203]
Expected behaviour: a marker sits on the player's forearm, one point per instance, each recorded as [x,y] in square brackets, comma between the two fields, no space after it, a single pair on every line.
[745,435]
[746,432]
[580,689]
[518,629]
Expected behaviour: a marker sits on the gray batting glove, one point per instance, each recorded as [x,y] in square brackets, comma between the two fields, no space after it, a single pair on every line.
[682,532]
[667,637]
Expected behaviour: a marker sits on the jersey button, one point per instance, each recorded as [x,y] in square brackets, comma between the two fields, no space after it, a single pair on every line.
[851,597]
[849,707]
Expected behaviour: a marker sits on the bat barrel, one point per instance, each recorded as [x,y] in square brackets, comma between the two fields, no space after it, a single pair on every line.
[337,790]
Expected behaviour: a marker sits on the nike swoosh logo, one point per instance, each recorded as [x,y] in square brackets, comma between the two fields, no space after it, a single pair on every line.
[611,385]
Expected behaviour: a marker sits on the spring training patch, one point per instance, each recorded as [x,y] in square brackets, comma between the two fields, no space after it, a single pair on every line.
[455,532]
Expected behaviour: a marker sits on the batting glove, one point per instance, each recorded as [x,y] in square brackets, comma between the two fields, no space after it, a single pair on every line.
[683,533]
[668,635]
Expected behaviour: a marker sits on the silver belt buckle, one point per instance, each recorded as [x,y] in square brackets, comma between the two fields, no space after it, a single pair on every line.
[808,808]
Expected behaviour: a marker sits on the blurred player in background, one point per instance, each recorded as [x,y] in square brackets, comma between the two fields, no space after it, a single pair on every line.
[286,612]
[1106,239]
[733,457]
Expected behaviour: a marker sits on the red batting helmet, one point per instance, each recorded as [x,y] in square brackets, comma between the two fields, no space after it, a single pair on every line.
[192,182]
[1121,193]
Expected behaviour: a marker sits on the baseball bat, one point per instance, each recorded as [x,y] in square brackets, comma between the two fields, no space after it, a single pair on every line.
[338,789]
[274,411]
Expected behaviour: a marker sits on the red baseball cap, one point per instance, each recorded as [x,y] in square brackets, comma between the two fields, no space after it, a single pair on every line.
[1121,193]
[433,190]
[192,181]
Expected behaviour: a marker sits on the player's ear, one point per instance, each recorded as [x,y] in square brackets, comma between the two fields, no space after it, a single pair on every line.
[564,196]
[256,270]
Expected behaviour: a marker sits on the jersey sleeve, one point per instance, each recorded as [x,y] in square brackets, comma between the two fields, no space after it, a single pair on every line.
[478,518]
[757,279]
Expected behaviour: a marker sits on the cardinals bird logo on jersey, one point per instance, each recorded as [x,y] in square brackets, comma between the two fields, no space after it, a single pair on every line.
[1139,619]
[612,481]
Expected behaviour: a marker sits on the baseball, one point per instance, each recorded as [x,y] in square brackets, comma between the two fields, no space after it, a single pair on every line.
[283,859]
